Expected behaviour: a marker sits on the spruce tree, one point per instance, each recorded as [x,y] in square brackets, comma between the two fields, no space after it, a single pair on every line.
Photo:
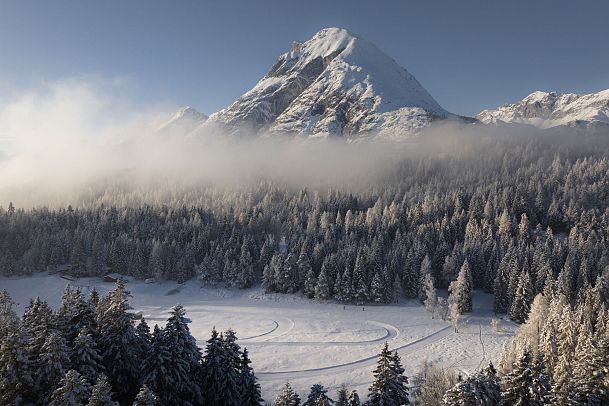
[54,360]
[323,288]
[379,289]
[390,385]
[101,394]
[16,376]
[85,357]
[182,363]
[310,283]
[287,396]
[248,383]
[354,399]
[73,390]
[119,343]
[526,384]
[146,397]
[461,290]
[522,300]
[318,396]
[343,396]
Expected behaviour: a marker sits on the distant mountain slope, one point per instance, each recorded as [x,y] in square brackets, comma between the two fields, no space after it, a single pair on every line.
[336,84]
[546,110]
[183,121]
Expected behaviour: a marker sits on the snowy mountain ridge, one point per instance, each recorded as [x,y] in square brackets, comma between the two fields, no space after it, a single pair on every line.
[551,109]
[336,84]
[184,120]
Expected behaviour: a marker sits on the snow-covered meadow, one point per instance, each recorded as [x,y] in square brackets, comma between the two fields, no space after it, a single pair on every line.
[303,341]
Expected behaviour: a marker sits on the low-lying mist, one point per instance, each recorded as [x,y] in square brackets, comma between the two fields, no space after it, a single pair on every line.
[75,139]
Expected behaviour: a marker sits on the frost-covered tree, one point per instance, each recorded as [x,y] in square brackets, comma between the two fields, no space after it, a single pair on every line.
[145,397]
[323,288]
[16,375]
[310,283]
[318,396]
[430,295]
[424,272]
[390,384]
[53,362]
[522,299]
[85,357]
[250,389]
[526,384]
[119,343]
[101,394]
[461,290]
[287,396]
[73,390]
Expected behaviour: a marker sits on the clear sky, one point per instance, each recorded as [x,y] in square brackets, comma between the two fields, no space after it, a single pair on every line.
[469,54]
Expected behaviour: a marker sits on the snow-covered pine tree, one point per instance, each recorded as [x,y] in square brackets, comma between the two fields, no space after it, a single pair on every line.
[318,396]
[73,390]
[424,270]
[85,357]
[182,364]
[8,318]
[246,275]
[482,388]
[146,397]
[119,343]
[461,290]
[378,288]
[398,292]
[590,370]
[101,394]
[144,338]
[220,377]
[346,291]
[389,387]
[522,299]
[269,274]
[343,396]
[310,283]
[354,399]
[323,288]
[54,360]
[430,295]
[248,383]
[232,354]
[16,376]
[526,384]
[287,396]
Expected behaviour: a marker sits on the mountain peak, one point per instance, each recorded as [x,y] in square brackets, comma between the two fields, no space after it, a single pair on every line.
[185,119]
[335,83]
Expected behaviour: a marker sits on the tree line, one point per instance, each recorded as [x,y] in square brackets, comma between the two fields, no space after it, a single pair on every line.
[519,213]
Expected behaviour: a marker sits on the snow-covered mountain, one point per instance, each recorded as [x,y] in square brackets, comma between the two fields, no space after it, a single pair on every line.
[183,121]
[547,110]
[336,83]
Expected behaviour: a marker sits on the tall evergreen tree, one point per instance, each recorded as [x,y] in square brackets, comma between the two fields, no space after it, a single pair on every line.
[101,394]
[73,390]
[390,385]
[287,396]
[250,389]
[526,384]
[146,397]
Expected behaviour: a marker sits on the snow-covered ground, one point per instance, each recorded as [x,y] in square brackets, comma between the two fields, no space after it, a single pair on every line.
[303,341]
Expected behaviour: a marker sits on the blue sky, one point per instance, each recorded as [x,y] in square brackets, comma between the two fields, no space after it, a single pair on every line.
[469,54]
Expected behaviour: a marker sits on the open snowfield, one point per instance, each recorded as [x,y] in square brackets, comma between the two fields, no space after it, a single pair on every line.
[303,341]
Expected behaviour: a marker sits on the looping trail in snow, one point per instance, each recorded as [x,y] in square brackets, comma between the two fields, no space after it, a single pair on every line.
[305,373]
[390,332]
